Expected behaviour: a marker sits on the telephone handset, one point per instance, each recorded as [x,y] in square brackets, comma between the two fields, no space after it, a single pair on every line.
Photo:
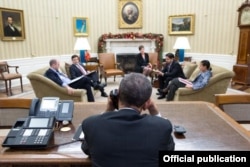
[34,106]
[52,106]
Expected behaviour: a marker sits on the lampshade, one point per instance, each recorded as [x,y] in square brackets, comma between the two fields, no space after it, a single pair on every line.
[82,44]
[181,43]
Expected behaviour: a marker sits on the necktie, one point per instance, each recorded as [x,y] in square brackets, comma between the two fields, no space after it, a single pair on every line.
[168,68]
[81,69]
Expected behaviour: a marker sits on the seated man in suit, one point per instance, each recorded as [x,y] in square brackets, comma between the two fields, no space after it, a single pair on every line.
[62,80]
[126,137]
[77,70]
[171,70]
[142,62]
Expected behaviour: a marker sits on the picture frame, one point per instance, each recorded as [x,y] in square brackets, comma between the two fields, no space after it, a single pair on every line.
[81,26]
[12,24]
[181,24]
[130,14]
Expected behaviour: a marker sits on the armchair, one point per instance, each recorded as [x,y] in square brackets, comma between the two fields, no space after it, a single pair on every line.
[153,59]
[217,84]
[235,105]
[11,109]
[43,86]
[6,75]
[108,66]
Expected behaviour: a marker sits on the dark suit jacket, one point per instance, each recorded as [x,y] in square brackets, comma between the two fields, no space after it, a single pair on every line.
[174,71]
[53,76]
[126,138]
[170,71]
[141,63]
[83,83]
[10,33]
[76,72]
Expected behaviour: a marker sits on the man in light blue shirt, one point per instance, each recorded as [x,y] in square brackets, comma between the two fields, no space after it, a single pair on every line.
[198,83]
[62,80]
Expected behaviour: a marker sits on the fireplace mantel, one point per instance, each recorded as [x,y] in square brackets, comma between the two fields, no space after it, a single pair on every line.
[129,45]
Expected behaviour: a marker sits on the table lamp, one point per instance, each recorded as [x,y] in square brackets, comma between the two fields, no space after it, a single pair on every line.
[82,45]
[181,44]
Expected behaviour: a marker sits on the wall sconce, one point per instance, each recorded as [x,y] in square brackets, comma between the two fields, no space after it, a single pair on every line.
[181,44]
[82,45]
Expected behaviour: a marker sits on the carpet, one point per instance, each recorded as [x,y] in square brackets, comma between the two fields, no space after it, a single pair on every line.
[28,91]
[240,88]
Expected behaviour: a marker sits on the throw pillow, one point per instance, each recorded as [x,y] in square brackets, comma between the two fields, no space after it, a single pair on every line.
[188,68]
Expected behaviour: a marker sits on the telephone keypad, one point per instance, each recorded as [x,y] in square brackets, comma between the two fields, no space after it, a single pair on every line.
[23,140]
[34,136]
[39,140]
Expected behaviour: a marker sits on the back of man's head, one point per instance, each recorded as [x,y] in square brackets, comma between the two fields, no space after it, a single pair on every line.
[134,90]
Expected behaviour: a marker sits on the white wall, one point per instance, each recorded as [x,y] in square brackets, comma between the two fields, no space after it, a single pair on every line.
[49,28]
[49,25]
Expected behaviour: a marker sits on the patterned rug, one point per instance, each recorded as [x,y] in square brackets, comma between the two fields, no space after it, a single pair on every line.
[28,91]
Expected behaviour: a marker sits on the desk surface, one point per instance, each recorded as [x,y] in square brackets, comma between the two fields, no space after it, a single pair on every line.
[208,128]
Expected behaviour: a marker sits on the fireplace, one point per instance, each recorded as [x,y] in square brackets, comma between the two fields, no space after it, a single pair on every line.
[129,45]
[127,49]
[127,61]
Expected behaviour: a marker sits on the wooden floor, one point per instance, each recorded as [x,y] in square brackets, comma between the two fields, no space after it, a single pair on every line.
[240,88]
[16,90]
[27,89]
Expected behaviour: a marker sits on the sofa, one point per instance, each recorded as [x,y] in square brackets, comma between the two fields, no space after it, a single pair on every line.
[217,84]
[44,87]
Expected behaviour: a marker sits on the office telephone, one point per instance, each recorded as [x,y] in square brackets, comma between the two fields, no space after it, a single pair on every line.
[52,106]
[30,133]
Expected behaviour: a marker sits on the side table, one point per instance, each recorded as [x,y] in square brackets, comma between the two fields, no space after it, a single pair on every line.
[93,66]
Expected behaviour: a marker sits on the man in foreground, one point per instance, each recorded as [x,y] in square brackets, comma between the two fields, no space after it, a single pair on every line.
[126,137]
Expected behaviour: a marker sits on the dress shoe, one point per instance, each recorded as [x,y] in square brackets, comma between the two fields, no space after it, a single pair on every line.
[159,90]
[162,91]
[162,96]
[165,90]
[96,87]
[104,94]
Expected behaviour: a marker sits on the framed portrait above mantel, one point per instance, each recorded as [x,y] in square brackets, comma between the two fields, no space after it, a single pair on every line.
[81,26]
[130,14]
[11,24]
[181,24]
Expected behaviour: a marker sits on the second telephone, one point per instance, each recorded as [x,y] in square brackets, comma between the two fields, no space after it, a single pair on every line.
[52,106]
[30,133]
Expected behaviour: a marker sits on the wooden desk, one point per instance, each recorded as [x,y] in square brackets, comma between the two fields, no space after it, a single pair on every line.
[208,128]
